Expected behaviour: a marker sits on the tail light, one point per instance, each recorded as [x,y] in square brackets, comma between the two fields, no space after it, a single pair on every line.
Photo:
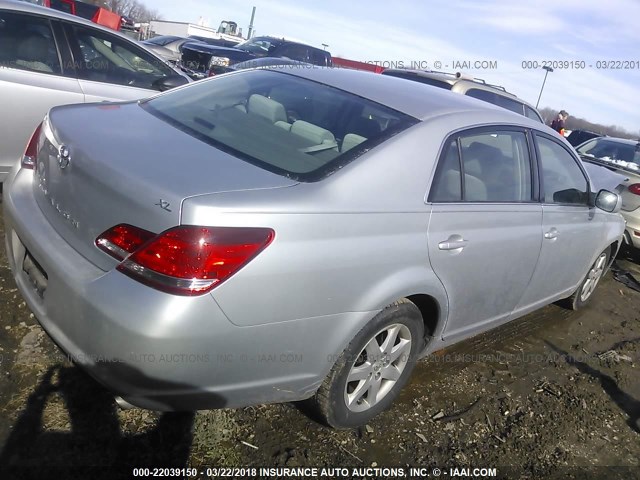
[186,260]
[29,157]
[635,188]
[122,240]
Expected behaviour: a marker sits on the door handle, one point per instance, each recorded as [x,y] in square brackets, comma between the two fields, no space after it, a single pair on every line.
[551,234]
[454,242]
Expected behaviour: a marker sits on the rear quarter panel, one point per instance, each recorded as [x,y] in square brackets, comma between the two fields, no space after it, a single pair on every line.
[354,242]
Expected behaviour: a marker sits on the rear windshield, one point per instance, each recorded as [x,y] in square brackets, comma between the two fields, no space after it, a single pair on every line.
[285,124]
[606,149]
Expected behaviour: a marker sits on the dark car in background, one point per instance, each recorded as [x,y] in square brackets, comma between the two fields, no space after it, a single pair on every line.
[577,137]
[201,60]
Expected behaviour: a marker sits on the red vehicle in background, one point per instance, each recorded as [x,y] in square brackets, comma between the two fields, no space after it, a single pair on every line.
[96,14]
[356,65]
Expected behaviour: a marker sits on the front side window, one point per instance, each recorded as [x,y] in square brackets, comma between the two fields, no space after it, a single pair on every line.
[27,43]
[562,179]
[282,123]
[496,165]
[106,58]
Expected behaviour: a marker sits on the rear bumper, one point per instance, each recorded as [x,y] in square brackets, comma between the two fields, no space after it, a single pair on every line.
[155,350]
[632,227]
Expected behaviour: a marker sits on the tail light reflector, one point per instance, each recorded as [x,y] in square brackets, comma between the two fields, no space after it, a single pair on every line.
[29,157]
[185,260]
[635,188]
[122,240]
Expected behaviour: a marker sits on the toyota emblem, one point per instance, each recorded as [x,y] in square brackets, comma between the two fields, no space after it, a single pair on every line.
[64,157]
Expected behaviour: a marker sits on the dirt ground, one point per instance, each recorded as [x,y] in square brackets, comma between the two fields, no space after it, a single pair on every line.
[553,395]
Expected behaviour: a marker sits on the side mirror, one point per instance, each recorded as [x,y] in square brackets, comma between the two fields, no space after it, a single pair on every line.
[169,82]
[608,201]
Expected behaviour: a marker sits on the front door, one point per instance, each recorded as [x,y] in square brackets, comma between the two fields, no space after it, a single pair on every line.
[570,241]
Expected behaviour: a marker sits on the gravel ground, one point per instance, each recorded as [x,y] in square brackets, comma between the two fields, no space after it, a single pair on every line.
[553,395]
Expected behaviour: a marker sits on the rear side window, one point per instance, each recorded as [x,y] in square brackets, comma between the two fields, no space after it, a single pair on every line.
[285,124]
[27,43]
[496,166]
[562,179]
[447,184]
[496,99]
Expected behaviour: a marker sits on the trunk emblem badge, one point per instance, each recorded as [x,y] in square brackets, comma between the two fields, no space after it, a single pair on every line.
[64,157]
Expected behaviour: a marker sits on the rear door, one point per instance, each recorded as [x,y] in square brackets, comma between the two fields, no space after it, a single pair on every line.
[484,234]
[33,78]
[570,239]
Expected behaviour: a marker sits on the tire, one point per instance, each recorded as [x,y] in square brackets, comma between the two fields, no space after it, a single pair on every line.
[583,294]
[347,398]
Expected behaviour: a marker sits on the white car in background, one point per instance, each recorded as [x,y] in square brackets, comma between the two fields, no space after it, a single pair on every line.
[623,156]
[50,58]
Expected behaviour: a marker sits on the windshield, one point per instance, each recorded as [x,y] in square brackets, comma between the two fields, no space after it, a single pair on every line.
[282,123]
[259,45]
[612,150]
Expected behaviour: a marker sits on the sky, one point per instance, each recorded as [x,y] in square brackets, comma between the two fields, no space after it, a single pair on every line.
[499,40]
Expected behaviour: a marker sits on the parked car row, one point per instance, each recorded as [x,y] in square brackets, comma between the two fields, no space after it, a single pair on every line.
[169,47]
[202,61]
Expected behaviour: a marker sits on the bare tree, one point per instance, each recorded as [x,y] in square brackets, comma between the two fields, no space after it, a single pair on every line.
[133,9]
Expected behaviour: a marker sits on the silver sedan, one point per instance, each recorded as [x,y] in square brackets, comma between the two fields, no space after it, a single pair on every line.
[272,235]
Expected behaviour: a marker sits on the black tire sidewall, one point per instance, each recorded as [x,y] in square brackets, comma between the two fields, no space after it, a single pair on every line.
[338,415]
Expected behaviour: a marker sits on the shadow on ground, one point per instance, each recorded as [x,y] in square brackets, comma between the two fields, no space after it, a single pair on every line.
[92,435]
[623,400]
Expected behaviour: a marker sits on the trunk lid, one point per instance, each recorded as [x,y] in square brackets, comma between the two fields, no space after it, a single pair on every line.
[127,166]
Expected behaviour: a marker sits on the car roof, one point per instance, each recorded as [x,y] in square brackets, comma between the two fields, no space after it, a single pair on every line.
[20,6]
[412,98]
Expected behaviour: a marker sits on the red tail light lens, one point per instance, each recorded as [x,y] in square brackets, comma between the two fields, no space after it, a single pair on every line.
[635,188]
[29,157]
[186,260]
[122,240]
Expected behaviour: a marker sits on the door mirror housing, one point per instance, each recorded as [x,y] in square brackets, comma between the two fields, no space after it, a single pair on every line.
[169,82]
[608,201]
